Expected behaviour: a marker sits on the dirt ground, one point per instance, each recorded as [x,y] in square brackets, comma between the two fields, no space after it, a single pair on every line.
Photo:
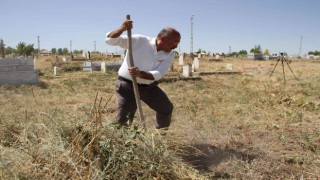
[248,125]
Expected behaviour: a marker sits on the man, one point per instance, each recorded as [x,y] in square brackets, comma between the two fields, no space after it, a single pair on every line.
[152,59]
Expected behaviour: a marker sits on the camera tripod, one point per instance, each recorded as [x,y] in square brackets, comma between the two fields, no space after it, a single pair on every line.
[282,59]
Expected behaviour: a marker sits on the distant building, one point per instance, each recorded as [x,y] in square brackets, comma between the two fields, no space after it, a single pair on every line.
[45,53]
[311,57]
[255,56]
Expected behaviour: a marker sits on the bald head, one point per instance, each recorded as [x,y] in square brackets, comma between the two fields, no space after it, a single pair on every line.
[169,32]
[168,39]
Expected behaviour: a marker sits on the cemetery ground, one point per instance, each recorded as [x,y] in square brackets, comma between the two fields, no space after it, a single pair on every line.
[236,126]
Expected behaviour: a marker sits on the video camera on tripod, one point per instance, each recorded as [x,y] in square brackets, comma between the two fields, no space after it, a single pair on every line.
[282,58]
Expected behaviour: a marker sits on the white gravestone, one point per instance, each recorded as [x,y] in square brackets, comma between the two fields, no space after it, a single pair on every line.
[186,70]
[66,59]
[55,69]
[181,56]
[217,56]
[103,67]
[195,64]
[229,67]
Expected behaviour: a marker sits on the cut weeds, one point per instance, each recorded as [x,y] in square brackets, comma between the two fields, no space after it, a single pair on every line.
[225,126]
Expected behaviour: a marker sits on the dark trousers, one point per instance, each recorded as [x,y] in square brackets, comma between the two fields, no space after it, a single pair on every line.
[151,94]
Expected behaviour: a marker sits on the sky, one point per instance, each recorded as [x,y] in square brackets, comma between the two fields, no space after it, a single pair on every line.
[217,26]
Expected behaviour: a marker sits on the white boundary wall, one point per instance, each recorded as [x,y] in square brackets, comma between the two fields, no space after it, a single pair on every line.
[18,71]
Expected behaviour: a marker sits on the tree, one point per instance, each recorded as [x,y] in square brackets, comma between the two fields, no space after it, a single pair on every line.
[316,53]
[9,50]
[234,54]
[266,52]
[23,49]
[243,52]
[60,52]
[77,51]
[65,50]
[256,49]
[54,50]
[201,51]
[29,49]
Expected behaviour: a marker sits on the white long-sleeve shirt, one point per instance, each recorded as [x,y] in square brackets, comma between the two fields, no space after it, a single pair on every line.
[145,57]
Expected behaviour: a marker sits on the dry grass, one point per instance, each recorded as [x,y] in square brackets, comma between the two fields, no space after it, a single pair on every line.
[246,126]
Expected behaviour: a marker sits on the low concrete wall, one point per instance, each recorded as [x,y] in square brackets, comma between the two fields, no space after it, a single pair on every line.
[16,67]
[91,66]
[18,71]
[19,77]
[102,66]
[17,62]
[111,66]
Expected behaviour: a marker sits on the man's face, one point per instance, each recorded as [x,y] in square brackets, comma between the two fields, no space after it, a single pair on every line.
[169,43]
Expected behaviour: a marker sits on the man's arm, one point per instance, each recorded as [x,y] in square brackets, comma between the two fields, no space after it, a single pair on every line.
[145,75]
[135,72]
[127,24]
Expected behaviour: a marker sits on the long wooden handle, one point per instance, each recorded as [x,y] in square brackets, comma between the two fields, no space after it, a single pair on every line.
[134,79]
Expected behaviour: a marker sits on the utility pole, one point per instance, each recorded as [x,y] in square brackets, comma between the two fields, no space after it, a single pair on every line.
[2,54]
[300,46]
[191,40]
[71,49]
[95,46]
[38,47]
[229,50]
[70,46]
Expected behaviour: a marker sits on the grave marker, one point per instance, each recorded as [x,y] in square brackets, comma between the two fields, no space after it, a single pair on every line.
[110,66]
[186,70]
[91,66]
[66,59]
[195,64]
[229,67]
[55,70]
[181,56]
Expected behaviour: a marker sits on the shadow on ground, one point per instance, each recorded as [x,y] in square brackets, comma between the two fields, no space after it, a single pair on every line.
[204,156]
